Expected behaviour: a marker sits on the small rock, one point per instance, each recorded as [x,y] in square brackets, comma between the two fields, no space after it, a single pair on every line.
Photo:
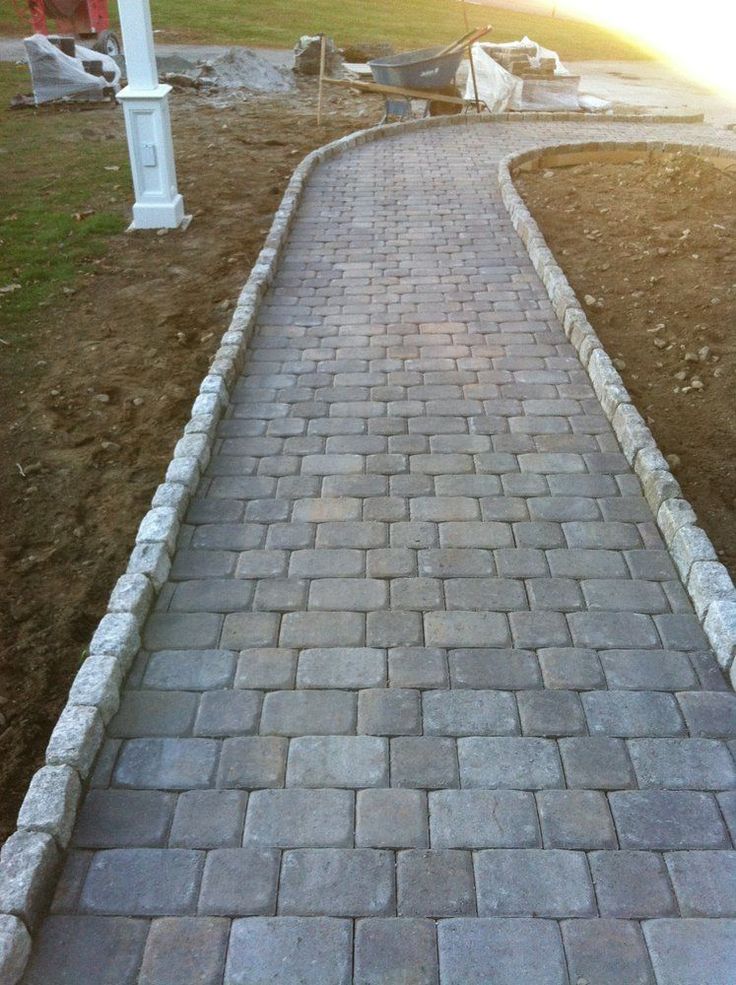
[660,343]
[102,398]
[589,300]
[619,364]
[690,357]
[703,353]
[673,461]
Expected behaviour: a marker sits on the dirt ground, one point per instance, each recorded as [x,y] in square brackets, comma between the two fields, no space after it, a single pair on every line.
[90,419]
[650,247]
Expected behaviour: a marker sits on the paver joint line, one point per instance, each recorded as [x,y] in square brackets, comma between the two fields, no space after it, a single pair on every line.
[421,683]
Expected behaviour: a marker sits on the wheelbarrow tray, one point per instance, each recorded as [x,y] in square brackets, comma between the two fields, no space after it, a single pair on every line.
[422,69]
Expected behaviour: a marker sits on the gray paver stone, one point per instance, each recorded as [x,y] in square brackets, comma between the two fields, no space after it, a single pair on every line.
[466,629]
[667,819]
[709,713]
[28,863]
[632,713]
[504,670]
[550,712]
[266,667]
[150,713]
[239,882]
[295,818]
[286,950]
[394,711]
[95,949]
[50,803]
[575,819]
[525,764]
[76,738]
[185,949]
[540,882]
[189,670]
[399,950]
[597,762]
[391,819]
[469,712]
[483,819]
[252,762]
[337,882]
[424,761]
[705,882]
[606,952]
[142,882]
[338,761]
[344,667]
[208,819]
[691,952]
[15,947]
[469,948]
[308,713]
[698,764]
[123,819]
[632,885]
[420,667]
[97,684]
[226,713]
[166,764]
[435,883]
[656,670]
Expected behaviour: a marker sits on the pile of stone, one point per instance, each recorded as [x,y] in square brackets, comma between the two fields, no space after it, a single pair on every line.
[307,55]
[522,61]
[237,68]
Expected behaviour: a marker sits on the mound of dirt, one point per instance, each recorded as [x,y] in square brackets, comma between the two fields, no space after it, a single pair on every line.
[649,248]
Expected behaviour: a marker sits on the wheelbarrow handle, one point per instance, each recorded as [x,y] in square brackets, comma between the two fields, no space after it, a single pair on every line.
[467,39]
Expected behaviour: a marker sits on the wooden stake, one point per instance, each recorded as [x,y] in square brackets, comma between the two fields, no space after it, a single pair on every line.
[323,45]
[475,81]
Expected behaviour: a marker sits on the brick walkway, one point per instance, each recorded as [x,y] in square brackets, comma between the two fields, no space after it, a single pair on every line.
[424,699]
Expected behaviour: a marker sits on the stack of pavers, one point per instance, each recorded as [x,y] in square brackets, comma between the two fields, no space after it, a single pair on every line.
[542,88]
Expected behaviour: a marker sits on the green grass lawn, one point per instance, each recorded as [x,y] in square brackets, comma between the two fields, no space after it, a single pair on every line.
[405,23]
[52,169]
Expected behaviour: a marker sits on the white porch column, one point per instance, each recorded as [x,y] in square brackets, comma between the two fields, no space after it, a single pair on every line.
[158,204]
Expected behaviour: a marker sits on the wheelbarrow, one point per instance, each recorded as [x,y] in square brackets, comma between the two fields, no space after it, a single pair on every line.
[431,69]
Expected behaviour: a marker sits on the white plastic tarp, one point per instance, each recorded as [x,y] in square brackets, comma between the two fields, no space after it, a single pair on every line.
[59,76]
[499,90]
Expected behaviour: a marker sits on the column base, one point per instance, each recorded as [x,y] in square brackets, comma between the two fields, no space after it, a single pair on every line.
[159,215]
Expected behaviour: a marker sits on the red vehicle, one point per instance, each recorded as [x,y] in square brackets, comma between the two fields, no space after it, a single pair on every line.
[87,20]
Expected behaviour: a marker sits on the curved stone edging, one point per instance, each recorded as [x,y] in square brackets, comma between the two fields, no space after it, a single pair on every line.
[31,857]
[707,581]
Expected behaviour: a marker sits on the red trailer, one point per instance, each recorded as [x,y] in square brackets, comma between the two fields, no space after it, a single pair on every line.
[88,20]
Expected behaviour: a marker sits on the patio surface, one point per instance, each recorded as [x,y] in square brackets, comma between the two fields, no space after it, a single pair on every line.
[424,699]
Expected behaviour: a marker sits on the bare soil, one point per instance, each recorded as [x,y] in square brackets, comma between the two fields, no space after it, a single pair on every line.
[91,416]
[649,246]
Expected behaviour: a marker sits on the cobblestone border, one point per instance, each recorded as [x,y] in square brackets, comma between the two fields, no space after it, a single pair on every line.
[31,857]
[707,581]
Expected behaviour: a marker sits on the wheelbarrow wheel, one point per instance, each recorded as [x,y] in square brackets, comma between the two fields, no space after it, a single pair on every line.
[108,43]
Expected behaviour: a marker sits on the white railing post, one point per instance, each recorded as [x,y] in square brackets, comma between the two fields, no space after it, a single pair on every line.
[158,204]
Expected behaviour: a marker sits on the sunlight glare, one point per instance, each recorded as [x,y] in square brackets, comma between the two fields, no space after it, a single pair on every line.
[695,38]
